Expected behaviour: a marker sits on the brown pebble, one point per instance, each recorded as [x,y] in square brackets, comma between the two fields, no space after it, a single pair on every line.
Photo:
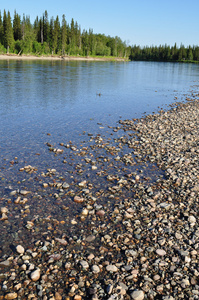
[58,296]
[11,296]
[77,297]
[78,199]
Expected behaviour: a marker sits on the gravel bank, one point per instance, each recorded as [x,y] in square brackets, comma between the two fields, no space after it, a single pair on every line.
[143,244]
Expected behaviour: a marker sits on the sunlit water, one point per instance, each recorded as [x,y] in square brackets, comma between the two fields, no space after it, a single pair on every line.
[64,102]
[62,98]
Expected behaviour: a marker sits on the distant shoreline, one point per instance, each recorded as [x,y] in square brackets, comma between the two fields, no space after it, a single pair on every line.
[52,57]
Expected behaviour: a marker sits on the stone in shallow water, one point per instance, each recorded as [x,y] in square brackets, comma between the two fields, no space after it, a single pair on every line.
[100,213]
[83,183]
[84,212]
[4,210]
[20,249]
[5,263]
[24,193]
[90,238]
[78,199]
[4,217]
[65,185]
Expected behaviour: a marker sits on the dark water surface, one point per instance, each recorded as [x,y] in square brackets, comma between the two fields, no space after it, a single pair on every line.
[73,103]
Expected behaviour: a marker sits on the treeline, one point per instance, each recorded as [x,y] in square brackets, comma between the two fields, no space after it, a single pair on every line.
[55,37]
[165,53]
[52,36]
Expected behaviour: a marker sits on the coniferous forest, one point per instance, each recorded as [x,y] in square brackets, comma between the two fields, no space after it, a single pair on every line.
[60,37]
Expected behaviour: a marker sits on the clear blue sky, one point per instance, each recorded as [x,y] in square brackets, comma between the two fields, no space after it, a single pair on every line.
[141,22]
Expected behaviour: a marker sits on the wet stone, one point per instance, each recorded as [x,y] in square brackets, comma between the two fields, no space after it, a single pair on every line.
[20,249]
[90,238]
[5,263]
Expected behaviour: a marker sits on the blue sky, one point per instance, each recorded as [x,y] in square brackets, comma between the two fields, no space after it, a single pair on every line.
[141,22]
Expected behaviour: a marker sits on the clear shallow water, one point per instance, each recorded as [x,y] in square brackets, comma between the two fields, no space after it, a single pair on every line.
[62,98]
[59,102]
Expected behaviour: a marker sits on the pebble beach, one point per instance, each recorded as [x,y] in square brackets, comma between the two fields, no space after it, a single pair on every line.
[132,236]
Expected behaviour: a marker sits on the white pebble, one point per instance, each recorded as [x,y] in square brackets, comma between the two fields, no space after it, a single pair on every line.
[111,268]
[35,275]
[137,295]
[20,249]
[84,264]
[95,269]
[161,252]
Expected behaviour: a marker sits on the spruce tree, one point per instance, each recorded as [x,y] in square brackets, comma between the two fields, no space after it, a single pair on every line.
[7,31]
[17,29]
[1,29]
[46,27]
[63,35]
[56,35]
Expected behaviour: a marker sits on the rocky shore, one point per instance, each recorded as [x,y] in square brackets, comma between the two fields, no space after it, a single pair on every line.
[131,237]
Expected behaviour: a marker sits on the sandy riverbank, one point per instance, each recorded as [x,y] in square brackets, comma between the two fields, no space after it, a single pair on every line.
[51,57]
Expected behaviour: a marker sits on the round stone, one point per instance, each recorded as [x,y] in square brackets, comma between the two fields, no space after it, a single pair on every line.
[161,252]
[137,295]
[192,219]
[35,275]
[95,269]
[20,249]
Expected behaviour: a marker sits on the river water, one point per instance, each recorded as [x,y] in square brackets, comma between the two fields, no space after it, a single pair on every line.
[66,98]
[44,104]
